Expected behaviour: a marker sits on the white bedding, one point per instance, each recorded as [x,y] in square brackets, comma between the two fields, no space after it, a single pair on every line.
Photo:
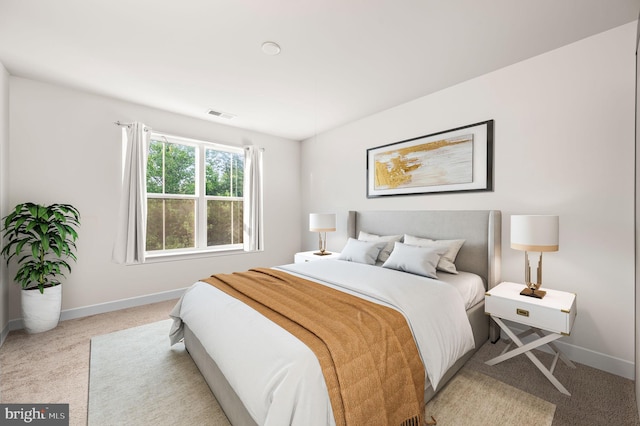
[277,377]
[470,286]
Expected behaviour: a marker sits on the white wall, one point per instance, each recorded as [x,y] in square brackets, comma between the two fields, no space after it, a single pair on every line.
[4,193]
[564,144]
[65,148]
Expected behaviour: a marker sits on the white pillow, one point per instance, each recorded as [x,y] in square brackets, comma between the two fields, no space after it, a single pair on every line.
[414,259]
[448,258]
[389,239]
[361,251]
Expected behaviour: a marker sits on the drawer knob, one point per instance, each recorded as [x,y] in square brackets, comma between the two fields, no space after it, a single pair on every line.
[522,312]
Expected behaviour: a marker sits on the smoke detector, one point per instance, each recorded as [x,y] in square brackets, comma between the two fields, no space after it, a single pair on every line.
[270,48]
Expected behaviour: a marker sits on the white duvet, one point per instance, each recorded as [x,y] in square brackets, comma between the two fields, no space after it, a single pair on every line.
[277,377]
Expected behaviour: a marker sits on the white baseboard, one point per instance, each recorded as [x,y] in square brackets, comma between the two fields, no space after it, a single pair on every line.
[604,362]
[102,308]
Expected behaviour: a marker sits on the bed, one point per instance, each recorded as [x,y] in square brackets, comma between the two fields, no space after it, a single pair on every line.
[273,393]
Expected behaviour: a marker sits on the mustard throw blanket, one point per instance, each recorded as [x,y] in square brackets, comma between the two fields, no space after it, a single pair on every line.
[368,356]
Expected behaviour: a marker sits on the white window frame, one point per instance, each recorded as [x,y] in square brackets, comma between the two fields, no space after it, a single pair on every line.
[200,198]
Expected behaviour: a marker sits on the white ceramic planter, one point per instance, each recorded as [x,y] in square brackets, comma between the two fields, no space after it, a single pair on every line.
[41,311]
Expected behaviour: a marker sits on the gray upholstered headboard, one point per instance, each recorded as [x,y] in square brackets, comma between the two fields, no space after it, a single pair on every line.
[481,229]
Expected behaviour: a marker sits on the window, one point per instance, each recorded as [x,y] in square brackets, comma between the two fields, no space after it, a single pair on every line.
[194,195]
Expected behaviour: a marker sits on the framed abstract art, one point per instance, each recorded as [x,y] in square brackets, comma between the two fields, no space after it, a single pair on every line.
[454,160]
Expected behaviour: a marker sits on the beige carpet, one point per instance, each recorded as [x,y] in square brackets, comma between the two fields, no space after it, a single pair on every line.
[53,367]
[597,397]
[472,398]
[135,378]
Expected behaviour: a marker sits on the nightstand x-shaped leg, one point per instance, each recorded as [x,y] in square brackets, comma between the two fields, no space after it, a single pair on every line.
[526,349]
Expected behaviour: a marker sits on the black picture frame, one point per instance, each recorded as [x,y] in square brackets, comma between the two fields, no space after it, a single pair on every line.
[450,161]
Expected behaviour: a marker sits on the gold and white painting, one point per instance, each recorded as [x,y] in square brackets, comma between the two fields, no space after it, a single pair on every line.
[442,162]
[453,160]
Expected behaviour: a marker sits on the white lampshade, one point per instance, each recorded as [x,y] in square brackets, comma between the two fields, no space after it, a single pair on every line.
[322,222]
[534,232]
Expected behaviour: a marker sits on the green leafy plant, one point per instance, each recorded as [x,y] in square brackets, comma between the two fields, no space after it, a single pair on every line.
[41,238]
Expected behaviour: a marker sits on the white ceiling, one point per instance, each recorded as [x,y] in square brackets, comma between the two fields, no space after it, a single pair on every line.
[341,60]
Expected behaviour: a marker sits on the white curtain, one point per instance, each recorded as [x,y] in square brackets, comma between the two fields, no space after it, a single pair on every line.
[132,221]
[253,230]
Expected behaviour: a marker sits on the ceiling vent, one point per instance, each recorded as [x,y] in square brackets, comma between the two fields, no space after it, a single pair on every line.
[219,114]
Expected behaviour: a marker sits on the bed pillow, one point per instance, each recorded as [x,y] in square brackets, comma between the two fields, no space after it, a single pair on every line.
[361,251]
[414,259]
[388,239]
[447,260]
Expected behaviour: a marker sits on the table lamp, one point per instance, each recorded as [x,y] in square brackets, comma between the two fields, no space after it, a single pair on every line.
[537,233]
[322,223]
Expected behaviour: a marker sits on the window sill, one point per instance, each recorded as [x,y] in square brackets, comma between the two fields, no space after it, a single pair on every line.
[195,254]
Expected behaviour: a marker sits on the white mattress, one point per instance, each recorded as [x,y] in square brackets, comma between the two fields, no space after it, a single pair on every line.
[277,377]
[470,286]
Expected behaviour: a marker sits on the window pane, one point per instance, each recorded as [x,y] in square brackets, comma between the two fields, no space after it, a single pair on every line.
[175,165]
[155,235]
[170,224]
[180,169]
[238,174]
[154,168]
[224,173]
[224,222]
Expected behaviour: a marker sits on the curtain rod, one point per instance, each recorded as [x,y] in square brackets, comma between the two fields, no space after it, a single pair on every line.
[146,129]
[127,125]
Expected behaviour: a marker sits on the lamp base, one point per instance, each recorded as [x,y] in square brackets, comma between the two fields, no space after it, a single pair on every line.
[531,292]
[322,253]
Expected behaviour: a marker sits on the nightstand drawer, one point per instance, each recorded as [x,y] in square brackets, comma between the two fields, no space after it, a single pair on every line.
[555,312]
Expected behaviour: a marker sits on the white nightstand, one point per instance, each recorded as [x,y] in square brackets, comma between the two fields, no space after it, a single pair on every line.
[555,313]
[308,256]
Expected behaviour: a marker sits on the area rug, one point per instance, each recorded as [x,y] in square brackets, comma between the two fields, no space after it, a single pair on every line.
[136,378]
[472,398]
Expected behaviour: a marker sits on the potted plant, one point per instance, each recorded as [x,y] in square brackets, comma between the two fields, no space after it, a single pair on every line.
[41,239]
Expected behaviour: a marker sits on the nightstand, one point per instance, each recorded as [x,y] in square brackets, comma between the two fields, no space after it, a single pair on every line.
[308,256]
[555,314]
